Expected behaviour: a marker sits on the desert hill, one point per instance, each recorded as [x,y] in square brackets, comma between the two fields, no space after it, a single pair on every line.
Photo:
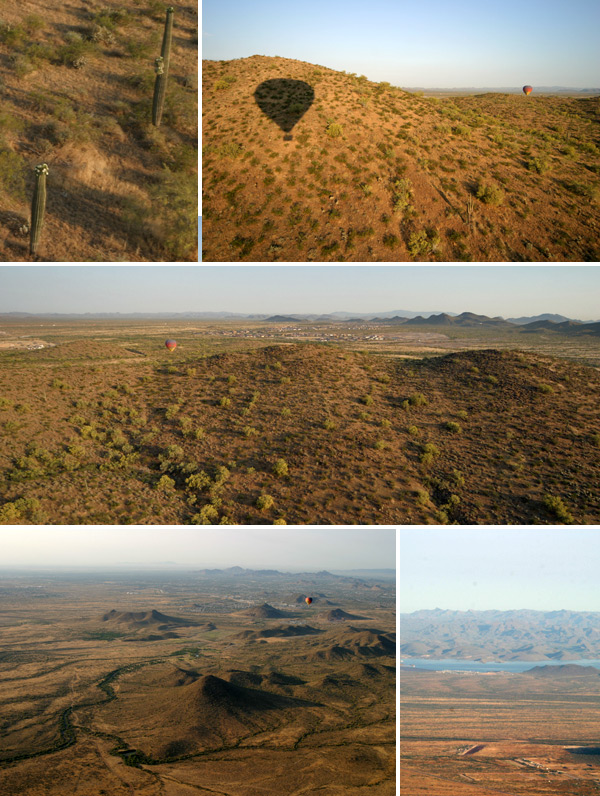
[503,635]
[324,165]
[285,631]
[338,615]
[264,611]
[564,670]
[78,83]
[143,619]
[304,433]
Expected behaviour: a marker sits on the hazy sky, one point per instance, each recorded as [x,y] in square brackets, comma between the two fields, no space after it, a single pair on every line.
[286,549]
[509,291]
[479,568]
[428,43]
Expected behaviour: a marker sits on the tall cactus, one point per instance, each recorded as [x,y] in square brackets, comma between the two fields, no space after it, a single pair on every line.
[38,206]
[162,70]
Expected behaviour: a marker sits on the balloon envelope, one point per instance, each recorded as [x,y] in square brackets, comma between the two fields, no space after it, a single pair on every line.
[308,600]
[527,90]
[170,344]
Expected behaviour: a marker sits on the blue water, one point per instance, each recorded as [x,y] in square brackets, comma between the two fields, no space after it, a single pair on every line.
[476,666]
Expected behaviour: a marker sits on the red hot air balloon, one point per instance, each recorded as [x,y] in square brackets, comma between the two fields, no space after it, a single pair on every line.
[308,600]
[171,345]
[527,90]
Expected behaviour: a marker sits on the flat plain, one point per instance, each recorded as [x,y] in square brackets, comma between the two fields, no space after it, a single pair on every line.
[287,422]
[77,87]
[303,163]
[172,683]
[500,733]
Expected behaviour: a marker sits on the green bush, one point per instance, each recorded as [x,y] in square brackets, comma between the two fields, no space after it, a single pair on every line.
[490,194]
[12,174]
[367,400]
[334,130]
[280,468]
[556,506]
[208,515]
[225,402]
[423,242]
[401,195]
[165,484]
[264,502]
[455,428]
[417,399]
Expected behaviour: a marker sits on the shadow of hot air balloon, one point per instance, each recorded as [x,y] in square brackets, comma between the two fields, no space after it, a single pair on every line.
[284,101]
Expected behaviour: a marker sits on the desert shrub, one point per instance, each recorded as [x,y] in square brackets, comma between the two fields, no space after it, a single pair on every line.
[285,412]
[171,411]
[279,521]
[175,213]
[328,424]
[424,241]
[280,468]
[401,195]
[5,403]
[540,165]
[111,18]
[463,414]
[417,399]
[249,431]
[595,440]
[225,82]
[197,481]
[208,515]
[20,509]
[428,453]
[367,400]
[334,130]
[545,388]
[73,52]
[413,430]
[490,194]
[390,241]
[100,34]
[12,174]
[225,402]
[556,506]
[380,445]
[455,428]
[11,35]
[165,484]
[264,502]
[457,478]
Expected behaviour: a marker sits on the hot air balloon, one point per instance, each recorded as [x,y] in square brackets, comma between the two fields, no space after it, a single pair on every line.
[171,344]
[527,90]
[308,600]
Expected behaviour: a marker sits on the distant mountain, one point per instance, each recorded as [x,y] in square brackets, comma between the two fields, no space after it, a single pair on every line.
[565,327]
[464,319]
[501,635]
[264,611]
[564,670]
[545,316]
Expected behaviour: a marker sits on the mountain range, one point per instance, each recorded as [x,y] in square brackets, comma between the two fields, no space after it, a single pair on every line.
[395,316]
[521,635]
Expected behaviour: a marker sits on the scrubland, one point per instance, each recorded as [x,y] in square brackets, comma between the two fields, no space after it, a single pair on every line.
[370,172]
[106,426]
[147,682]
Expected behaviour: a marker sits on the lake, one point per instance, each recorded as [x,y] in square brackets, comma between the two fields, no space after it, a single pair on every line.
[477,666]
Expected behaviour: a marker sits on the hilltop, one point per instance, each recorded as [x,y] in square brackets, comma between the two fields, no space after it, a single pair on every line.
[77,88]
[304,163]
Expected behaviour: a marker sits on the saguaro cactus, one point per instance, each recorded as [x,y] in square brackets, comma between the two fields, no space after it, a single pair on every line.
[162,70]
[38,206]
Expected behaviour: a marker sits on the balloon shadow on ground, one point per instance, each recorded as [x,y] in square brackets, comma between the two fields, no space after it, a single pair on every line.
[284,101]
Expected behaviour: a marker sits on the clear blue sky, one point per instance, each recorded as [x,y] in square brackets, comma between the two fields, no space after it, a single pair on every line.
[431,43]
[290,549]
[509,290]
[510,568]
